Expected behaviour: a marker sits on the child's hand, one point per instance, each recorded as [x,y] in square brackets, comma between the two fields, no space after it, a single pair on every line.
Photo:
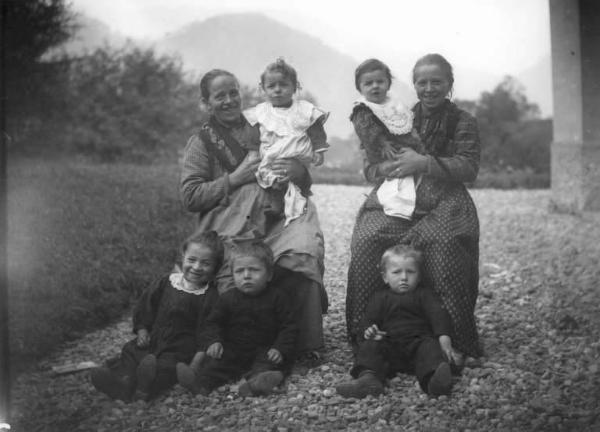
[253,156]
[197,360]
[288,169]
[275,356]
[446,345]
[215,350]
[143,338]
[374,333]
[318,158]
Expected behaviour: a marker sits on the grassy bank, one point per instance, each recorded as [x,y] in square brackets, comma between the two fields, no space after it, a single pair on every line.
[82,240]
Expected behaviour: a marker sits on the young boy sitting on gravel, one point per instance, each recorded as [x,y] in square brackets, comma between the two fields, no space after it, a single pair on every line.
[251,332]
[166,320]
[406,330]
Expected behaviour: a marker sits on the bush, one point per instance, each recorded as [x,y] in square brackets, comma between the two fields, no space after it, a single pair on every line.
[331,175]
[512,179]
[83,240]
[126,104]
[129,103]
[487,179]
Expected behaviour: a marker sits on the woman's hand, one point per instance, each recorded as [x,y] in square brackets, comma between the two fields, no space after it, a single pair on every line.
[408,162]
[244,173]
[288,170]
[143,338]
[215,350]
[275,356]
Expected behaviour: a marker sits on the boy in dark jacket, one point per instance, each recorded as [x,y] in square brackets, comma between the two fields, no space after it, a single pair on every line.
[406,329]
[251,332]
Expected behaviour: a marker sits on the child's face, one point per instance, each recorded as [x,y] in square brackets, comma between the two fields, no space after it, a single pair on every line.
[401,273]
[199,264]
[250,275]
[374,86]
[279,89]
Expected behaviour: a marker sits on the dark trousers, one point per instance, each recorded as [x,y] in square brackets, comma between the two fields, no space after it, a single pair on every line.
[234,364]
[131,356]
[419,356]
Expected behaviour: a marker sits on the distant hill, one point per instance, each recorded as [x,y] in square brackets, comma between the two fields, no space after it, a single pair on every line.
[246,43]
[91,34]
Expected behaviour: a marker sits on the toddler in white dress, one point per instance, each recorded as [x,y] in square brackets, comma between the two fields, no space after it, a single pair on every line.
[289,128]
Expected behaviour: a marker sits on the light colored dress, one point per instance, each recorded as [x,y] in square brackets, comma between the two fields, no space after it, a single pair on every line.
[283,134]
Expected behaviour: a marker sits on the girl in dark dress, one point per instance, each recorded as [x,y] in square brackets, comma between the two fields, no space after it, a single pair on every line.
[166,321]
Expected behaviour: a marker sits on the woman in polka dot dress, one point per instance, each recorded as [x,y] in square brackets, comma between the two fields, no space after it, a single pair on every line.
[445,223]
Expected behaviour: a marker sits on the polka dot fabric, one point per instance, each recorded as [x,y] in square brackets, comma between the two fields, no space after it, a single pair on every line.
[449,238]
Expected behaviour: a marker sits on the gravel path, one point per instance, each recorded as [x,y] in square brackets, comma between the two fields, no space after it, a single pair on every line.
[538,315]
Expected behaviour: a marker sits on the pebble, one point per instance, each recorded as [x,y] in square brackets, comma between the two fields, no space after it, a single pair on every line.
[312,414]
[554,420]
[505,393]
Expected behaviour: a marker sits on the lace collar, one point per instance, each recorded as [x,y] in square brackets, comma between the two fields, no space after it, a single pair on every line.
[393,113]
[293,120]
[180,283]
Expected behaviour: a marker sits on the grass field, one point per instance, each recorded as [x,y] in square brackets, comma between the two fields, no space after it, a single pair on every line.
[82,240]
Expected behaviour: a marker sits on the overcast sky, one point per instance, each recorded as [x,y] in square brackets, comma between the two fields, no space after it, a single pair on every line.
[496,36]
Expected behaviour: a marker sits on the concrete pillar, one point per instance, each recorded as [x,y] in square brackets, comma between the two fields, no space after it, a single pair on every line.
[575,35]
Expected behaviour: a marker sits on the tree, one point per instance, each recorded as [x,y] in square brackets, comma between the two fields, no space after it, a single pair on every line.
[128,103]
[29,29]
[507,103]
[511,133]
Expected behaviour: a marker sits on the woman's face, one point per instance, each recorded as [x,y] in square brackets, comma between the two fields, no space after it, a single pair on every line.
[224,100]
[432,85]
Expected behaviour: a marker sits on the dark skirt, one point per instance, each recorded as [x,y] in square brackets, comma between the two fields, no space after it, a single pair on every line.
[446,229]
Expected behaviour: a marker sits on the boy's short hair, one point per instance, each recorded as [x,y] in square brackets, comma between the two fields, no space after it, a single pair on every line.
[256,249]
[211,240]
[402,250]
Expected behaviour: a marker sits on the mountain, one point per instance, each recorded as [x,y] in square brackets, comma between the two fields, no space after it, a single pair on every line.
[245,43]
[91,34]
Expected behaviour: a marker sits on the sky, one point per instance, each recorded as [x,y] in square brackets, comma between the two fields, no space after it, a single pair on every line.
[496,36]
